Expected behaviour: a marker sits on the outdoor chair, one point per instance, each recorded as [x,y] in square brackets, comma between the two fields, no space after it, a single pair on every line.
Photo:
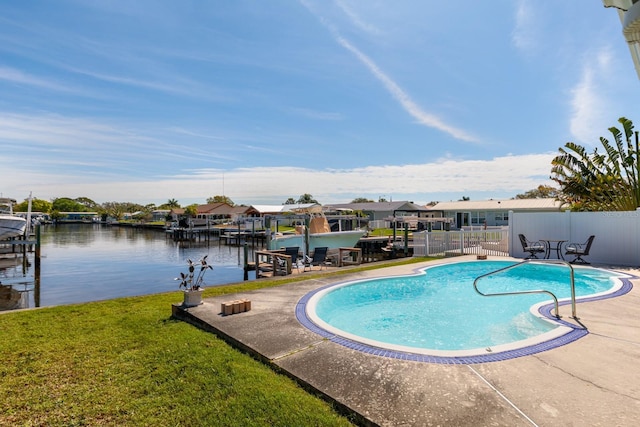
[532,247]
[319,258]
[578,250]
[293,252]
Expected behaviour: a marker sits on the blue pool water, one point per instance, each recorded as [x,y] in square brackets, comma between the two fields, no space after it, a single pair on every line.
[439,309]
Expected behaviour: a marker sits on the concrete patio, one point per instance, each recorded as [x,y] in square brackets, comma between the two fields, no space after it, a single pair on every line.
[593,381]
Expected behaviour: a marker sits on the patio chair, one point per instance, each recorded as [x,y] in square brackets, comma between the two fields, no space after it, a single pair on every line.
[319,258]
[578,250]
[532,247]
[293,252]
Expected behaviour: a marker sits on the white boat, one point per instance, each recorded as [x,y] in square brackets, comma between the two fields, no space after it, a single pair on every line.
[320,235]
[10,225]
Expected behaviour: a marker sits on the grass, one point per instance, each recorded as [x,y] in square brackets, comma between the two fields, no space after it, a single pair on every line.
[127,362]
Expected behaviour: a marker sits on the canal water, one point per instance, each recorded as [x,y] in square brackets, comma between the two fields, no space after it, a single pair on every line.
[92,262]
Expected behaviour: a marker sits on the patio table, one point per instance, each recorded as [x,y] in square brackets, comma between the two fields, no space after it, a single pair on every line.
[553,245]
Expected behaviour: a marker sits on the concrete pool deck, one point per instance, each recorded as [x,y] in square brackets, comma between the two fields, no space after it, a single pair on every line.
[592,381]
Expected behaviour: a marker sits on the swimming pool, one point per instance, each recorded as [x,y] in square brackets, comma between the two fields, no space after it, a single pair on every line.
[437,313]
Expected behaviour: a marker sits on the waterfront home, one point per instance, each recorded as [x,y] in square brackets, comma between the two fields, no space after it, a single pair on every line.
[215,213]
[78,217]
[490,213]
[398,214]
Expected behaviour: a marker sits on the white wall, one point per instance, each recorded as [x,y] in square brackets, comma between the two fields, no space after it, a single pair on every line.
[617,240]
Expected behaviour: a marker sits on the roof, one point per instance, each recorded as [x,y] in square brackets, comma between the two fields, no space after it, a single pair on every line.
[277,209]
[217,209]
[378,206]
[548,204]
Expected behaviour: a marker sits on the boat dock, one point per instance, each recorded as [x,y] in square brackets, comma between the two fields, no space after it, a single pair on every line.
[226,236]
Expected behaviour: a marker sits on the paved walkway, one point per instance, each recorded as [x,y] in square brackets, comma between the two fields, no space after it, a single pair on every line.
[593,381]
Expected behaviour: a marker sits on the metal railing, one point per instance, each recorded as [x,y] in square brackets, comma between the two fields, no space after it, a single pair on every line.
[535,291]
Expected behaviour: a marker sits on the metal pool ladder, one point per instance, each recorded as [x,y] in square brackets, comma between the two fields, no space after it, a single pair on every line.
[536,291]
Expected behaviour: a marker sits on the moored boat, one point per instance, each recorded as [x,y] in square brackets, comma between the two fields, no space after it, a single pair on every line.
[10,225]
[319,235]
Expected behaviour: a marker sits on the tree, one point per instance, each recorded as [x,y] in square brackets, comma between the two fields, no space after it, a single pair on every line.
[191,210]
[87,203]
[171,203]
[361,200]
[600,182]
[290,201]
[118,209]
[465,199]
[65,204]
[306,198]
[37,205]
[542,192]
[220,199]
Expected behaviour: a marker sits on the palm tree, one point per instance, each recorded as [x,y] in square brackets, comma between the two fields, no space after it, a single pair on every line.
[600,181]
[306,198]
[172,203]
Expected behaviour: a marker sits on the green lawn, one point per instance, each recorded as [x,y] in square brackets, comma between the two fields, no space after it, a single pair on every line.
[127,362]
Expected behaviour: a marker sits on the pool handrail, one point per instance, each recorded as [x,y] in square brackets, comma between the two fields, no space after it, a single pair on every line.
[536,291]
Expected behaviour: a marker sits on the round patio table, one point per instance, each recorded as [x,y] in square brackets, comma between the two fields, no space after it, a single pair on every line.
[553,245]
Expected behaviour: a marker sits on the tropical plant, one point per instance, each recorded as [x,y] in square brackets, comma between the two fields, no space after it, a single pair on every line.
[190,281]
[606,181]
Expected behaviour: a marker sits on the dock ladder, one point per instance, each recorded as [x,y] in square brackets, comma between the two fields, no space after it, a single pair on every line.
[535,291]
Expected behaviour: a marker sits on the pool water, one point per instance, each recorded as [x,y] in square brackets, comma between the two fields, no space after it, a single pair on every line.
[439,308]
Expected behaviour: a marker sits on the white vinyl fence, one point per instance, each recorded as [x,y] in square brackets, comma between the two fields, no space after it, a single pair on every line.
[455,243]
[617,234]
[616,243]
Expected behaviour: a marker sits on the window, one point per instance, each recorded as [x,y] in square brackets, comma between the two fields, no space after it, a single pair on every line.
[478,218]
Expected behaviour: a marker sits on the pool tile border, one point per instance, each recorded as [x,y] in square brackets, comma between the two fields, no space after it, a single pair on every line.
[574,334]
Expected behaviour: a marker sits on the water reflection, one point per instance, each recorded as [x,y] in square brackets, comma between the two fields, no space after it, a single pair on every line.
[11,298]
[89,262]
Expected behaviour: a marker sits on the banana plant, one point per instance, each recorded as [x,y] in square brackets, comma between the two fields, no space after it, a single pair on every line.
[608,181]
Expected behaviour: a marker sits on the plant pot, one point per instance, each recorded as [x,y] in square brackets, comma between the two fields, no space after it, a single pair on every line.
[192,298]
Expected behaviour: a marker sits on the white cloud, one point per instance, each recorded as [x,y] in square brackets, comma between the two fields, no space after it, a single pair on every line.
[429,181]
[404,99]
[589,103]
[356,20]
[397,93]
[317,115]
[522,36]
[13,75]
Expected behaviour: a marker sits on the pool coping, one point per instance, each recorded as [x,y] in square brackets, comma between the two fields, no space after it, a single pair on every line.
[564,333]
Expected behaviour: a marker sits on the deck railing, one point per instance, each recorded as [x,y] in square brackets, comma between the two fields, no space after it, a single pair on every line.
[459,242]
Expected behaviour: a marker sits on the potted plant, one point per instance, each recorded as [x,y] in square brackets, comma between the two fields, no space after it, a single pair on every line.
[192,282]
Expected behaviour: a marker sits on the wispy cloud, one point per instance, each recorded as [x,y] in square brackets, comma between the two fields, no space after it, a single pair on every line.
[397,93]
[13,75]
[588,102]
[355,19]
[404,99]
[177,86]
[522,36]
[317,115]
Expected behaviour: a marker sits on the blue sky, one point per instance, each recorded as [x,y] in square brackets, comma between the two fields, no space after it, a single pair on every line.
[415,100]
